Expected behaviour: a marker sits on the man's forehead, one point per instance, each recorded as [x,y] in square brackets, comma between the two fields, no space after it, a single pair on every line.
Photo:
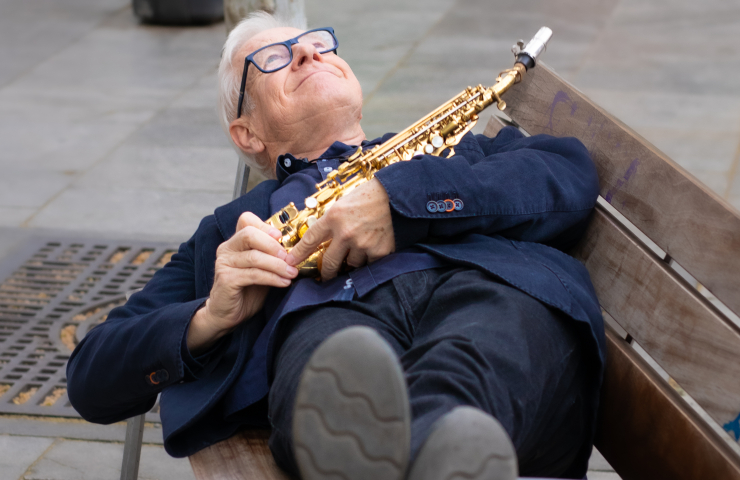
[267,37]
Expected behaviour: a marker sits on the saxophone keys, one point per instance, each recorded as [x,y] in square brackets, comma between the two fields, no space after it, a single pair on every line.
[437,141]
[357,153]
[311,220]
[326,194]
[428,149]
[311,202]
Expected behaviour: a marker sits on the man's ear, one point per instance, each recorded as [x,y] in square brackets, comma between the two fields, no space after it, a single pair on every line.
[244,137]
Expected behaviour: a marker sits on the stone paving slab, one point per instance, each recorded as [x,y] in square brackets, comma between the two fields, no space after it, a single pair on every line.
[70,428]
[17,453]
[603,476]
[80,460]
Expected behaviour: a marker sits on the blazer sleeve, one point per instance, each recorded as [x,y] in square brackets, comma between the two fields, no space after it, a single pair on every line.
[536,189]
[121,365]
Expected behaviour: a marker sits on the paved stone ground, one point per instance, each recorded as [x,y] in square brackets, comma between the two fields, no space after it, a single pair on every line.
[108,127]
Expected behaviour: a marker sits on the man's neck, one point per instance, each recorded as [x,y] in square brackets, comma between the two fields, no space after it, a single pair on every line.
[313,146]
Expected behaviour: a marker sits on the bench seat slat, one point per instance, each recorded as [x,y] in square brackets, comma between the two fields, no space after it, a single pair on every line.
[244,456]
[678,327]
[646,431]
[697,228]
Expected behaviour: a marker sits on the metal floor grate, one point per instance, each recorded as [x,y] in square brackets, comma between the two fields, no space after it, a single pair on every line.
[51,295]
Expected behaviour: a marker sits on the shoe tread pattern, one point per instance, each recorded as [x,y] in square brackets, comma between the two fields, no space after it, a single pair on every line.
[351,418]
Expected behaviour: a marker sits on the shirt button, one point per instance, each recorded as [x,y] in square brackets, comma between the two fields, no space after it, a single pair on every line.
[432,206]
[328,169]
[287,162]
[155,378]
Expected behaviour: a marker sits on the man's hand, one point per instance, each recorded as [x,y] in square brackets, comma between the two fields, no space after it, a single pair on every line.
[247,265]
[359,227]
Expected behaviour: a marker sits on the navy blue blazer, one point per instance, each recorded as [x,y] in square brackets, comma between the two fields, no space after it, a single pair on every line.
[526,201]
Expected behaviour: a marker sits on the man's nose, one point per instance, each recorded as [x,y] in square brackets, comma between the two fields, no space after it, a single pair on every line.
[304,53]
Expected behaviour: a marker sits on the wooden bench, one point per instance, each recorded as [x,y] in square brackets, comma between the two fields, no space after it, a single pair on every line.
[652,216]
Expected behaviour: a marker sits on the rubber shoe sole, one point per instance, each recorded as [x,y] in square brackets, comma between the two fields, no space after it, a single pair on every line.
[352,418]
[466,444]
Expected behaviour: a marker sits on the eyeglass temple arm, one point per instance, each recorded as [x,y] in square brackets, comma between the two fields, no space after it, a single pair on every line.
[241,89]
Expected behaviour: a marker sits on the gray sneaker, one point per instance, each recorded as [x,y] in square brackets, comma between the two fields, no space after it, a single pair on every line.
[352,418]
[466,444]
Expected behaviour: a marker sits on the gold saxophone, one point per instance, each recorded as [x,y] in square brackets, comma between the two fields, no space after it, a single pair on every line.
[434,134]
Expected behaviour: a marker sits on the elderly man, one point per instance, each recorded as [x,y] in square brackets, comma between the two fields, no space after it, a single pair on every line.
[461,342]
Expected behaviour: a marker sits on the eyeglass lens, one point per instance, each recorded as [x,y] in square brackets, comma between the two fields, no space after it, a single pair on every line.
[274,57]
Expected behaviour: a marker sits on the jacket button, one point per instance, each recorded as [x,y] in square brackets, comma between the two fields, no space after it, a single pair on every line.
[155,378]
[441,207]
[287,162]
[449,205]
[458,204]
[432,206]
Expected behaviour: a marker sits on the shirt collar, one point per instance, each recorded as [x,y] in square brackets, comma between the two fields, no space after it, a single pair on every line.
[287,164]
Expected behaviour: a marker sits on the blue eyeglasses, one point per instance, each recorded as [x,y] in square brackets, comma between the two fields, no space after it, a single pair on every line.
[276,56]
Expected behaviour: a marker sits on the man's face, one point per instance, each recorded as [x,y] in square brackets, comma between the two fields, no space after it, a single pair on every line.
[313,88]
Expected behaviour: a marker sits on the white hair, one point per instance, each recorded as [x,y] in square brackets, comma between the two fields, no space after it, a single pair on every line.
[230,73]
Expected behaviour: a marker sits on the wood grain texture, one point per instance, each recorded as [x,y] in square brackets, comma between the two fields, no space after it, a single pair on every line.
[647,432]
[245,456]
[686,219]
[678,327]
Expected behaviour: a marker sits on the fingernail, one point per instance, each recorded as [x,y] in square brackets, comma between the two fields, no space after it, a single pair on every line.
[292,271]
[290,259]
[286,282]
[282,255]
[274,232]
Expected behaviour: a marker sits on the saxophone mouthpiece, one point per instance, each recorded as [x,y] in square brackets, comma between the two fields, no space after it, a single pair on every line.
[529,54]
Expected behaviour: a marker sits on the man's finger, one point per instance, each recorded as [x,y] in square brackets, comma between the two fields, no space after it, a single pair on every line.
[255,276]
[314,236]
[332,259]
[357,258]
[249,219]
[253,238]
[263,261]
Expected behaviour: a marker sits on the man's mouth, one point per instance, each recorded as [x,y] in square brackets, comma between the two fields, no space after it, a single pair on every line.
[310,75]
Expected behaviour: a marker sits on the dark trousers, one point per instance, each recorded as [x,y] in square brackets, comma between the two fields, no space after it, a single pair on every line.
[462,338]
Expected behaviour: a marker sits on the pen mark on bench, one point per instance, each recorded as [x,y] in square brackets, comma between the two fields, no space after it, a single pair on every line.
[561,97]
[622,181]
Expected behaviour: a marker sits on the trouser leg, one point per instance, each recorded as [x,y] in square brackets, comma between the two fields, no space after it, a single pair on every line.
[463,339]
[481,343]
[302,332]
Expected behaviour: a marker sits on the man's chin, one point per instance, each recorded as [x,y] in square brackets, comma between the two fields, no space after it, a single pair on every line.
[325,96]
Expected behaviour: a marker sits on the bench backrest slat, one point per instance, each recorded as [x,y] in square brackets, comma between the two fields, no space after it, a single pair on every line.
[674,323]
[698,229]
[647,431]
